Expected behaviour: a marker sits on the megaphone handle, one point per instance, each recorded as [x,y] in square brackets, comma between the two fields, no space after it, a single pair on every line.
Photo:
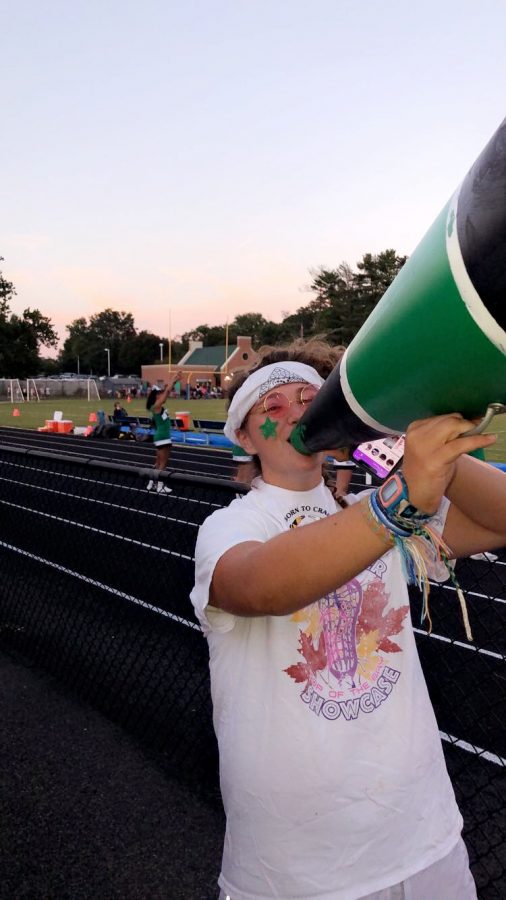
[493,409]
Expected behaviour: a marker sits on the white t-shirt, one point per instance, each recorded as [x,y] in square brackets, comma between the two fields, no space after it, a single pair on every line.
[331,767]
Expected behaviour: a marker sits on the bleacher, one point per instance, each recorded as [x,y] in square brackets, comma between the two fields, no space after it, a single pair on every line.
[208,425]
[144,421]
[198,431]
[132,423]
[142,425]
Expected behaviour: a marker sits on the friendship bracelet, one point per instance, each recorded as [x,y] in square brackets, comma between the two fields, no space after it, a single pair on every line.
[398,529]
[379,529]
[419,547]
[393,499]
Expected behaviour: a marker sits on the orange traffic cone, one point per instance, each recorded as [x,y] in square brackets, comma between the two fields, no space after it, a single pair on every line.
[16,412]
[92,417]
[129,399]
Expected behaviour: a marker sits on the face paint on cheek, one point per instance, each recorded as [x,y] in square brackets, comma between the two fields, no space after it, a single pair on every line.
[269,428]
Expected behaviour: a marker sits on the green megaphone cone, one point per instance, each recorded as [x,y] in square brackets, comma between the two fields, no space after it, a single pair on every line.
[436,341]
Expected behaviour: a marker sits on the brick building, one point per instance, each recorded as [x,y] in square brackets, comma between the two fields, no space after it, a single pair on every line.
[211,367]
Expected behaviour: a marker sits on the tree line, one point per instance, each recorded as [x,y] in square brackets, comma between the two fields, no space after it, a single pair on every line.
[21,337]
[341,302]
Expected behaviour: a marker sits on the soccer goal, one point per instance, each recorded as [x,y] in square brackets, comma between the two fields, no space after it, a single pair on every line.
[93,393]
[32,392]
[11,391]
[53,388]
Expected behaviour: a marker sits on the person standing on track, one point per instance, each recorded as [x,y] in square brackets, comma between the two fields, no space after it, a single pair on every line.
[331,766]
[162,436]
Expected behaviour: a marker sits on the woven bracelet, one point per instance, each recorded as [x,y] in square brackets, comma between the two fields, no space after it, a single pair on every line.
[399,530]
[418,545]
[380,530]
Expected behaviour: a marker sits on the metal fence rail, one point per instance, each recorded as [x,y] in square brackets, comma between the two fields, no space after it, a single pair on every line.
[96,573]
[191,460]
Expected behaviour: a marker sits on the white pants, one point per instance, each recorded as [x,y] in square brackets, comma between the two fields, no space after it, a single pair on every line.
[447,879]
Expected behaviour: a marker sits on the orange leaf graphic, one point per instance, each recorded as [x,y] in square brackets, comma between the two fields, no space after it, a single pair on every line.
[315,658]
[373,618]
[299,672]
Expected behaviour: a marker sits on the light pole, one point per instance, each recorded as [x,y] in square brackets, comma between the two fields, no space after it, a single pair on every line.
[161,351]
[108,361]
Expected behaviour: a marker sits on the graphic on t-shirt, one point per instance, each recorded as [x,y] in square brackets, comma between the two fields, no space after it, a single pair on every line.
[344,640]
[338,613]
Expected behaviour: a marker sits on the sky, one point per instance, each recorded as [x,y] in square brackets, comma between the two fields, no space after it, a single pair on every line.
[190,161]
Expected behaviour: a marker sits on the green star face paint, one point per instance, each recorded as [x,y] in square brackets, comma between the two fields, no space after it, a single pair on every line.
[269,428]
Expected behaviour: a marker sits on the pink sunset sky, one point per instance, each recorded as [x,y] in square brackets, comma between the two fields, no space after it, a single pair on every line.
[187,162]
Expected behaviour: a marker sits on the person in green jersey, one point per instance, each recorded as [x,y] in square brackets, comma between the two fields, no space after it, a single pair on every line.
[161,438]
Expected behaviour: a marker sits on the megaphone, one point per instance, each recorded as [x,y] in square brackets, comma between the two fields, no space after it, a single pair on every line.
[436,341]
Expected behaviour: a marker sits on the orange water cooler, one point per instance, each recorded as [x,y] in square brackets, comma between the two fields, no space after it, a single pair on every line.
[185,418]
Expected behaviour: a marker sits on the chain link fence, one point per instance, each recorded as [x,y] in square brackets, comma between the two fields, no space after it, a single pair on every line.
[97,572]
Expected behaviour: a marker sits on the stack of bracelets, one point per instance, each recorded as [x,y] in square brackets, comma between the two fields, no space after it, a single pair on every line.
[390,514]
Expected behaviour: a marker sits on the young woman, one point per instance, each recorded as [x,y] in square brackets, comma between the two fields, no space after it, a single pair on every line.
[162,436]
[323,357]
[331,767]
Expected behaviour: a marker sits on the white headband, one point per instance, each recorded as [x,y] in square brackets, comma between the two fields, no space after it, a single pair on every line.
[260,383]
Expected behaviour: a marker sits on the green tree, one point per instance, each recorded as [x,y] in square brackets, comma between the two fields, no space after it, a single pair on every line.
[109,330]
[79,348]
[48,366]
[298,324]
[254,325]
[261,330]
[89,341]
[144,349]
[115,331]
[21,337]
[210,335]
[344,298]
[376,273]
[7,292]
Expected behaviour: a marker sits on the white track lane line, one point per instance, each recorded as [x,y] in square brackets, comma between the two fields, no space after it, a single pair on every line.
[105,587]
[472,748]
[447,640]
[136,510]
[456,742]
[101,531]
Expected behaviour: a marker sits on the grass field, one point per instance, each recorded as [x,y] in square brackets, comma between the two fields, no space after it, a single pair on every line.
[34,415]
